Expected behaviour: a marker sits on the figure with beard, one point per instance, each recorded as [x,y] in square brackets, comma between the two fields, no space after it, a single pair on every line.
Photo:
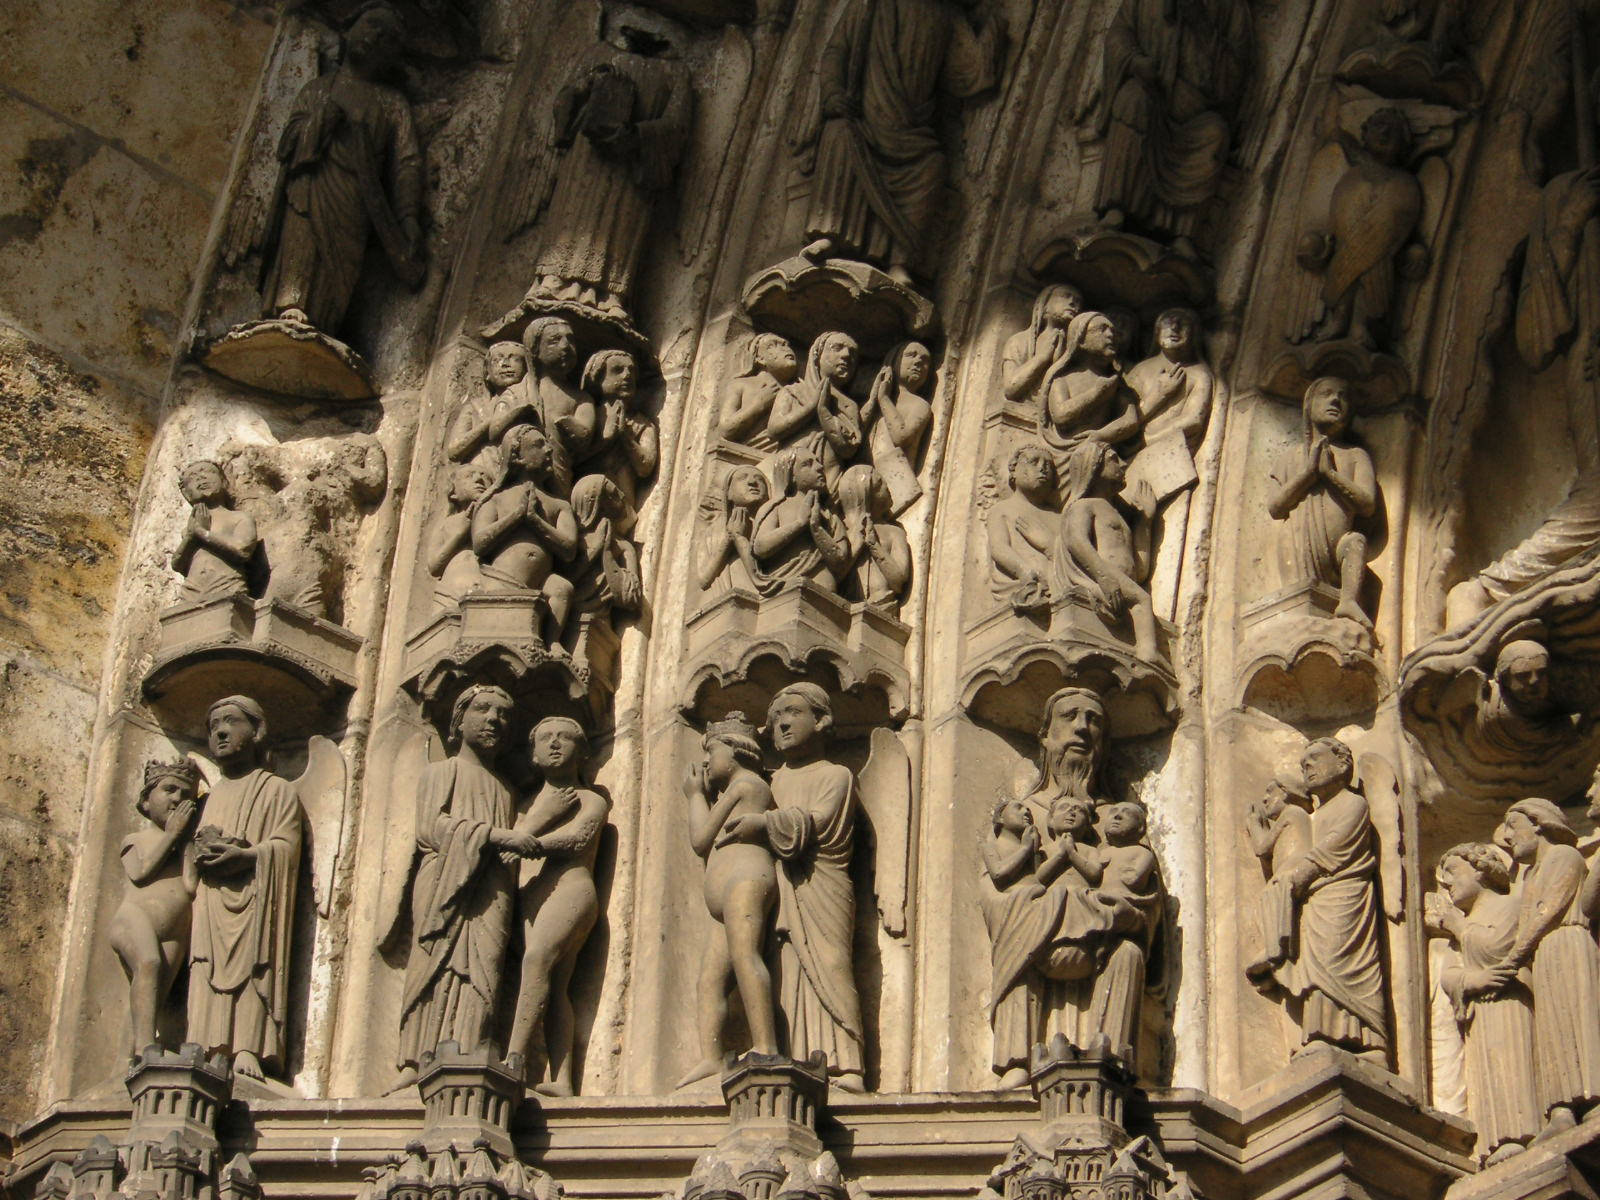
[868,139]
[767,377]
[461,883]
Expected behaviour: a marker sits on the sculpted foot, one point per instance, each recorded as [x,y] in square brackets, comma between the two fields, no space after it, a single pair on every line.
[850,1081]
[703,1069]
[1560,1120]
[1504,1151]
[1351,611]
[554,1087]
[1016,1077]
[247,1064]
[818,250]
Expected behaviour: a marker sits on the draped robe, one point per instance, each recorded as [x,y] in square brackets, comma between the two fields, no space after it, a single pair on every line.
[239,948]
[812,831]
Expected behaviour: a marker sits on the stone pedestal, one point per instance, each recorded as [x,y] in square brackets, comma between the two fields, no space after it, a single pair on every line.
[773,1102]
[289,358]
[178,1093]
[468,1097]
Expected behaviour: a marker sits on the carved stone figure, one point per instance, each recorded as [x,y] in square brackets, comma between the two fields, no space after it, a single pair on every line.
[820,405]
[627,445]
[1373,215]
[765,383]
[1335,981]
[1174,77]
[551,398]
[1010,857]
[798,534]
[1099,551]
[150,929]
[1279,829]
[459,898]
[610,576]
[619,127]
[812,832]
[247,855]
[1328,494]
[1085,395]
[1554,951]
[1024,529]
[556,902]
[879,551]
[868,140]
[1032,354]
[219,543]
[898,418]
[505,366]
[727,555]
[741,889]
[351,170]
[1517,715]
[450,557]
[1479,914]
[521,532]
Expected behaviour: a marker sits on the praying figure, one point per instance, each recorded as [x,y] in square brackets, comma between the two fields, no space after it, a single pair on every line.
[247,856]
[1279,828]
[551,397]
[1328,496]
[798,534]
[219,542]
[351,171]
[505,366]
[1085,394]
[626,446]
[867,136]
[898,418]
[766,379]
[727,554]
[821,406]
[448,546]
[741,890]
[1031,354]
[1024,530]
[150,929]
[879,550]
[1010,857]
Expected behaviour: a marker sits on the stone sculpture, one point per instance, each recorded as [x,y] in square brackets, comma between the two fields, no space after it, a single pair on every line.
[1024,530]
[627,444]
[450,556]
[727,555]
[1477,911]
[618,129]
[1033,355]
[556,902]
[351,171]
[880,553]
[765,384]
[898,418]
[505,366]
[247,856]
[1085,395]
[1279,830]
[521,531]
[867,138]
[219,542]
[1554,952]
[1334,982]
[1100,553]
[1517,716]
[811,831]
[1373,216]
[1168,110]
[150,930]
[741,890]
[820,405]
[798,534]
[610,576]
[1072,947]
[1329,493]
[461,884]
[550,398]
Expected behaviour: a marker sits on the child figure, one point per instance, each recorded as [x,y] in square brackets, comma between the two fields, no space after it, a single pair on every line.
[1010,854]
[150,929]
[449,548]
[1279,828]
[741,888]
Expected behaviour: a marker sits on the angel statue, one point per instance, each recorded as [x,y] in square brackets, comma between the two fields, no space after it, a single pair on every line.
[1372,239]
[609,152]
[247,858]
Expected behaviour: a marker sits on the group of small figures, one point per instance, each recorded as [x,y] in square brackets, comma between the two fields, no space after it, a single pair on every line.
[835,473]
[544,478]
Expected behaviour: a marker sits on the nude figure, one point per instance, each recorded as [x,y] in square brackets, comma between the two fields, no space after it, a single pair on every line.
[741,888]
[767,375]
[1099,542]
[448,549]
[505,365]
[1023,529]
[218,542]
[521,532]
[150,929]
[1278,826]
[1085,395]
[556,902]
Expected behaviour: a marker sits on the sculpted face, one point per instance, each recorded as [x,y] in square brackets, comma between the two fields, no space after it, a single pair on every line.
[1387,136]
[1273,802]
[838,360]
[231,735]
[1035,473]
[558,348]
[777,358]
[1123,823]
[1072,816]
[915,366]
[374,39]
[485,722]
[1518,836]
[504,365]
[1174,334]
[1329,405]
[720,762]
[1077,726]
[1014,817]
[792,722]
[201,482]
[746,488]
[1061,308]
[1112,469]
[533,451]
[1323,769]
[1525,678]
[1460,882]
[468,483]
[556,746]
[168,792]
[1101,336]
[808,475]
[618,381]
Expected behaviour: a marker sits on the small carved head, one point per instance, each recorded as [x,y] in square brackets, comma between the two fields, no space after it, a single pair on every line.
[728,744]
[1176,331]
[798,470]
[235,728]
[863,490]
[468,482]
[1032,471]
[558,743]
[377,37]
[1123,823]
[1124,328]
[833,357]
[527,448]
[595,498]
[202,481]
[1328,766]
[505,365]
[552,346]
[797,715]
[1522,670]
[1072,816]
[1327,405]
[773,354]
[912,364]
[1056,306]
[1010,815]
[1286,787]
[1527,823]
[1386,135]
[1074,723]
[1092,333]
[1466,869]
[611,375]
[167,785]
[1090,464]
[745,487]
[481,718]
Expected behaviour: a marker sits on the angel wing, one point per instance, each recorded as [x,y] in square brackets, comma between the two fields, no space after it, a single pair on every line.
[886,797]
[1376,778]
[322,788]
[530,175]
[400,839]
